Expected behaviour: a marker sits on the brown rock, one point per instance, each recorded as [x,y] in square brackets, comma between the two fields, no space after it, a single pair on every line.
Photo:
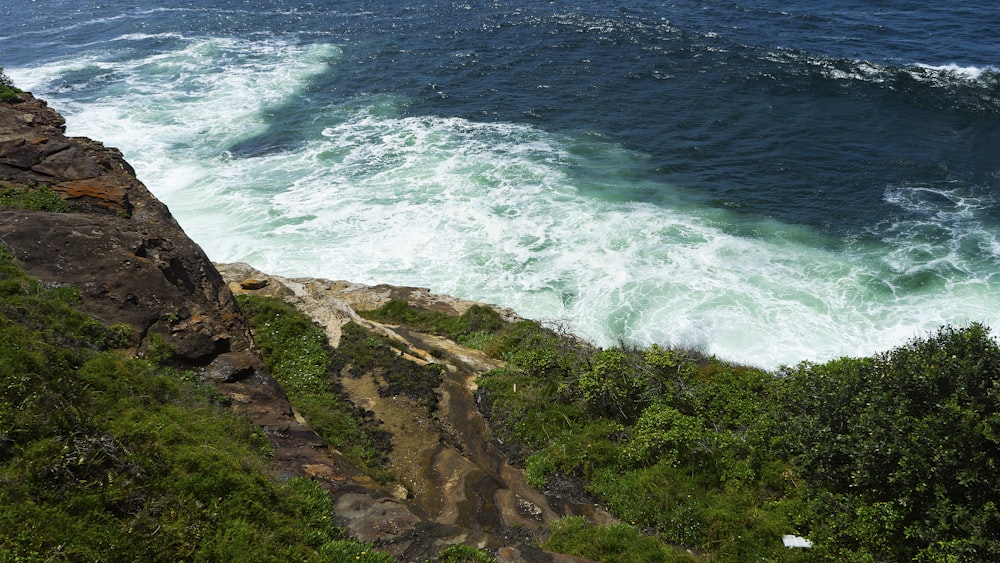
[253,284]
[323,472]
[233,366]
[370,518]
[69,164]
[99,192]
[119,245]
[19,153]
[171,291]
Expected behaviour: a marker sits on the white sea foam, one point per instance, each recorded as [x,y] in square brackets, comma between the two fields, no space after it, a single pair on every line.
[943,242]
[491,211]
[144,36]
[876,73]
[505,213]
[970,72]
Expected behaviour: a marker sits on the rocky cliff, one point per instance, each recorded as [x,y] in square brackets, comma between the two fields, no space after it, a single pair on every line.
[135,265]
[118,243]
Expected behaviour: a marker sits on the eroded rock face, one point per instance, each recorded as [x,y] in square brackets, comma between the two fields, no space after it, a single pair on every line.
[92,177]
[133,264]
[118,244]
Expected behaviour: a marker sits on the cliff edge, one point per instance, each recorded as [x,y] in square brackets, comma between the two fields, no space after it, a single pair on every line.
[118,244]
[134,265]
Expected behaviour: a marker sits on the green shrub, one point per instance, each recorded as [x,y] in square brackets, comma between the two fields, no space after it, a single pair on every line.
[40,197]
[526,412]
[8,92]
[899,450]
[538,351]
[662,433]
[581,450]
[614,384]
[612,544]
[159,350]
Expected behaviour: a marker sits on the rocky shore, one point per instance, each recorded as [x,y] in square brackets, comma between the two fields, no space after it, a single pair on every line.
[135,265]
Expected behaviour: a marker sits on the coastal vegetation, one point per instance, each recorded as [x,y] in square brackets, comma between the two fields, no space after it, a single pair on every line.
[34,197]
[884,458]
[888,458]
[8,92]
[296,352]
[103,457]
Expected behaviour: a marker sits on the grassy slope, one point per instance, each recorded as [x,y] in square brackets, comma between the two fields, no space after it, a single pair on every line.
[108,458]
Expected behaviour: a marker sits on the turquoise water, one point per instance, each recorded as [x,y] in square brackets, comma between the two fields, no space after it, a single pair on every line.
[769,185]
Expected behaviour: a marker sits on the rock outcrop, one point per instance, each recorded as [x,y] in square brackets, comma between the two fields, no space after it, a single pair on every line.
[462,488]
[135,265]
[119,245]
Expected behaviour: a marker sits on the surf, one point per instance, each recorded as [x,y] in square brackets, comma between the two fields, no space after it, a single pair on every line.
[268,151]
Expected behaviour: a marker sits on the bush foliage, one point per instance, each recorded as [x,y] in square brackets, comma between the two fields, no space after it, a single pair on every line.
[34,197]
[888,458]
[899,451]
[8,92]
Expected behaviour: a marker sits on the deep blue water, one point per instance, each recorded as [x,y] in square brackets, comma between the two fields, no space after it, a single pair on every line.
[770,181]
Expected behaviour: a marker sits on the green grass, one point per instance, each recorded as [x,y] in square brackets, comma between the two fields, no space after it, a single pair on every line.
[34,197]
[296,352]
[108,458]
[618,543]
[475,328]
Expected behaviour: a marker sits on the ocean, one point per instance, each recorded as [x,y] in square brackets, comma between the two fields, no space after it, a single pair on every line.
[769,182]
